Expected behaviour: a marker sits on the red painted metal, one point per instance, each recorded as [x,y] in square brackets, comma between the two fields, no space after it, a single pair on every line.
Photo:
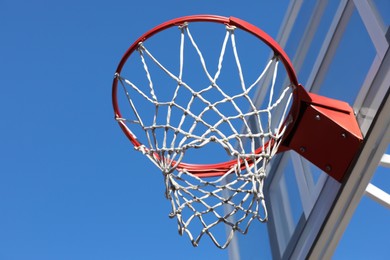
[327,135]
[306,135]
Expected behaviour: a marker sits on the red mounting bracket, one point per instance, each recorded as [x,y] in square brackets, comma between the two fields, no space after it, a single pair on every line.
[327,134]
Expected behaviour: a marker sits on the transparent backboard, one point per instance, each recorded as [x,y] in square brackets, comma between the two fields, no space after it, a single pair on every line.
[340,49]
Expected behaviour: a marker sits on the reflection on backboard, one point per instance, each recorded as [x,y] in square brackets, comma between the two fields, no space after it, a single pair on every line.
[339,49]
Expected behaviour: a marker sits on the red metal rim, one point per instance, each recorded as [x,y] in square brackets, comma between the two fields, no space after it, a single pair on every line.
[217,169]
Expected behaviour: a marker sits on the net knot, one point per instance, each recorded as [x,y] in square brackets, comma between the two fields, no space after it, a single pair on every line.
[230,28]
[183,25]
[141,148]
[140,47]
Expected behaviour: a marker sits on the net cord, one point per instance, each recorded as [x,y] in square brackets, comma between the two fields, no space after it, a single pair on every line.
[239,191]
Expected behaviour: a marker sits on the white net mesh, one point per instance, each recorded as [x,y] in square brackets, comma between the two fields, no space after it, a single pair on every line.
[251,136]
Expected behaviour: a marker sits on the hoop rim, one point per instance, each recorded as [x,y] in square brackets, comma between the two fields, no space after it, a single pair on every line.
[215,169]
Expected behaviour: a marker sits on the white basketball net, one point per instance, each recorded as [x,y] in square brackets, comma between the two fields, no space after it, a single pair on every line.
[236,198]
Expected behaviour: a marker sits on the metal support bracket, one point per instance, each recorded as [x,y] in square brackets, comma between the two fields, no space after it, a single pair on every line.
[327,134]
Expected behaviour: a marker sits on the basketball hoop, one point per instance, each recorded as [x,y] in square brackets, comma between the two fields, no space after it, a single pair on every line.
[169,117]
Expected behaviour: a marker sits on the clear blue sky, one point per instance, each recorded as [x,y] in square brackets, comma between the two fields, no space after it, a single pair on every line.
[69,188]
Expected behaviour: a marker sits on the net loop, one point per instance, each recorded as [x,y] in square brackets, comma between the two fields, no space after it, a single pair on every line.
[235,199]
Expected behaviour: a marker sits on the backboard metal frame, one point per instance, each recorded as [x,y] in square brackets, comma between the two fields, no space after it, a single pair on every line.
[351,192]
[326,204]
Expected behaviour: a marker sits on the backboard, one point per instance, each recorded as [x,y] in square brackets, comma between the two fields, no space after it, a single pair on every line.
[340,49]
